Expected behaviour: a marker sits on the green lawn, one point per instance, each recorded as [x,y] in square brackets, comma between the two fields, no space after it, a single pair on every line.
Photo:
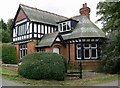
[11,75]
[4,71]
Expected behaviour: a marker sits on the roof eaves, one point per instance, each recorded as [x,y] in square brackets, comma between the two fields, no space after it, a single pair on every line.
[43,11]
[24,12]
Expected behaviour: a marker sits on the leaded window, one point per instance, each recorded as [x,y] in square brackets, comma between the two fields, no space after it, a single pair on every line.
[86,51]
[23,50]
[79,51]
[65,26]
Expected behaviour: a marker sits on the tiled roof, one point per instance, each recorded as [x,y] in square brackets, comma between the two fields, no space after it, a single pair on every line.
[48,40]
[38,15]
[85,28]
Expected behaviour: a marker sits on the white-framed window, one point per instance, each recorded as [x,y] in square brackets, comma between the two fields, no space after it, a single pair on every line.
[94,53]
[86,51]
[22,29]
[23,50]
[79,54]
[89,51]
[56,50]
[65,26]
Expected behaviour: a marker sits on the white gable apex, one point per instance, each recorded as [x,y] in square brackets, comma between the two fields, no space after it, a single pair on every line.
[58,39]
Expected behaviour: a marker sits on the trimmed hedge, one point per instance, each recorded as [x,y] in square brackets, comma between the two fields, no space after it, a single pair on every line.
[43,66]
[9,54]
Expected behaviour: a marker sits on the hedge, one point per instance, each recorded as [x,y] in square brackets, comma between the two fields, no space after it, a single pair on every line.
[43,66]
[9,54]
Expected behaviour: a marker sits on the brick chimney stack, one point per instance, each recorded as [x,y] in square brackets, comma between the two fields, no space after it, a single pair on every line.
[85,11]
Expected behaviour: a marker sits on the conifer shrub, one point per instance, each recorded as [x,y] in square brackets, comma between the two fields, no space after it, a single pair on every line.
[9,54]
[43,66]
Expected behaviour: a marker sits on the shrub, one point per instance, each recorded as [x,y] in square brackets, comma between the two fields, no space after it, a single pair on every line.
[43,66]
[8,54]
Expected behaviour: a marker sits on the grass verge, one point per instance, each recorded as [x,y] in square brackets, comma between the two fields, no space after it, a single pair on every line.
[11,75]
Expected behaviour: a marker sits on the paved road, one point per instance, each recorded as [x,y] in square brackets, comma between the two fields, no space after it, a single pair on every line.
[10,83]
[5,82]
[113,83]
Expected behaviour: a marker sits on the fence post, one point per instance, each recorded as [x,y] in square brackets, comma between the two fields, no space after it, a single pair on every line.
[80,70]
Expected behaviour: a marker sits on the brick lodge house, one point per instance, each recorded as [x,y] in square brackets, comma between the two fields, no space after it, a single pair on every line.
[77,38]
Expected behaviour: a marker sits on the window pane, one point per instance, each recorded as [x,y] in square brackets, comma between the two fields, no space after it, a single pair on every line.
[86,45]
[93,52]
[64,28]
[20,53]
[93,45]
[61,27]
[86,53]
[78,45]
[56,50]
[79,53]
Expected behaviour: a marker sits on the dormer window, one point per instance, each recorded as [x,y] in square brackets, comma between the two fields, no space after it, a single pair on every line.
[66,25]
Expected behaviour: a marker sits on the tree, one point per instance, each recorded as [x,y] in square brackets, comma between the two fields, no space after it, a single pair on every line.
[9,24]
[110,17]
[5,36]
[5,30]
[3,25]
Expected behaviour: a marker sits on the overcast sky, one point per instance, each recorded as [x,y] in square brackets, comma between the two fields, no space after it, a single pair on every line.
[68,8]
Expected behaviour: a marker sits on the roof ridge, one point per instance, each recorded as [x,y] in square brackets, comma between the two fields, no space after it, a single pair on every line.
[42,10]
[75,16]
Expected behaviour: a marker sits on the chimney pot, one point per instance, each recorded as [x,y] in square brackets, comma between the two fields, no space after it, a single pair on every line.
[85,11]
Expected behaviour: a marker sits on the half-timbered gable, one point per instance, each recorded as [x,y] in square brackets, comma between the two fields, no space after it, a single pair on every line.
[77,38]
[31,23]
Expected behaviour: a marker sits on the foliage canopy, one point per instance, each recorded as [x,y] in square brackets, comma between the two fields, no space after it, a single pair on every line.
[110,17]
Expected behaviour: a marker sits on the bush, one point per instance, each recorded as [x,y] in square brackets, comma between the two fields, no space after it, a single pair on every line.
[8,54]
[43,66]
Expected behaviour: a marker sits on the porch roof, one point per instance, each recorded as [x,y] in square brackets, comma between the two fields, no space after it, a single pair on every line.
[48,40]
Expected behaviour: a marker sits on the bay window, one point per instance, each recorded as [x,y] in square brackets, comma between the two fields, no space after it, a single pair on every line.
[86,51]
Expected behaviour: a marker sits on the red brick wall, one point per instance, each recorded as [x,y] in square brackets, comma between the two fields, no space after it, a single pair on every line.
[72,52]
[57,45]
[20,16]
[88,64]
[48,50]
[62,48]
[17,50]
[31,47]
